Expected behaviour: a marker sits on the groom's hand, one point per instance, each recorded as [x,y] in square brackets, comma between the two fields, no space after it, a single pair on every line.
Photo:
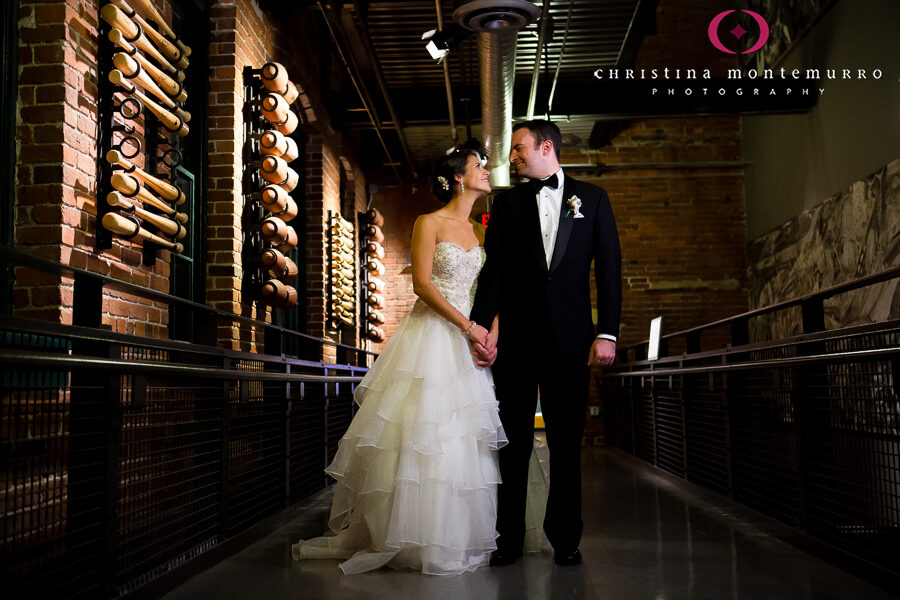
[603,353]
[482,356]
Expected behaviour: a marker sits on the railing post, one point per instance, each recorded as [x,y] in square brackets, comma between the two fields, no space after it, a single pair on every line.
[694,342]
[813,311]
[87,301]
[113,419]
[288,406]
[740,332]
[224,458]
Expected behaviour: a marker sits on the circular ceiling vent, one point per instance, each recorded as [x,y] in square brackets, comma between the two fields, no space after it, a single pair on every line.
[492,16]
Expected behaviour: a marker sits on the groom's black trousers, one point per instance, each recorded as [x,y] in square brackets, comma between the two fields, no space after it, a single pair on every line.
[563,383]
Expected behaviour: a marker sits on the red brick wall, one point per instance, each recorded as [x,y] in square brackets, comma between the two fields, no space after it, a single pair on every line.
[242,35]
[56,172]
[681,229]
[57,165]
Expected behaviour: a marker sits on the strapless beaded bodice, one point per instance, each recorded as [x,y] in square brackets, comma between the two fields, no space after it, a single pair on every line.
[454,273]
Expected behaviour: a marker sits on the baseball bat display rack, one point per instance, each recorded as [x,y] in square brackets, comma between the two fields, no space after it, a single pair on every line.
[342,270]
[270,241]
[140,87]
[373,272]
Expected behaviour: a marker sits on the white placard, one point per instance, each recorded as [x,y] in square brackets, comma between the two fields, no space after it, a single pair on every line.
[653,346]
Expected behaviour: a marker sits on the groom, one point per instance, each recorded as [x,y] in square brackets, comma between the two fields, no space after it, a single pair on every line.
[541,240]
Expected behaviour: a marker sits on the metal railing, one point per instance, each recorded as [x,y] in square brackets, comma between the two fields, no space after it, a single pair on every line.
[123,458]
[805,430]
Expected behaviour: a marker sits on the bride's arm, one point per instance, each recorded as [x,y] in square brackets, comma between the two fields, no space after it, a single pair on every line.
[424,239]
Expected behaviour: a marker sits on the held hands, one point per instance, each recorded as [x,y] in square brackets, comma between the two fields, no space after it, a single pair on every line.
[603,353]
[484,354]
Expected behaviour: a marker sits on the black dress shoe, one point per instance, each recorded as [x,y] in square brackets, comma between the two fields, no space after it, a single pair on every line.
[567,558]
[502,557]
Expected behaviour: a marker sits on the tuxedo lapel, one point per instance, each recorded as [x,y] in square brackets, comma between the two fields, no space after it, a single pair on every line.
[564,231]
[532,225]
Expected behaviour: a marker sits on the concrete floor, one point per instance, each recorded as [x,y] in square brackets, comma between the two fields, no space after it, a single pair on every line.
[644,538]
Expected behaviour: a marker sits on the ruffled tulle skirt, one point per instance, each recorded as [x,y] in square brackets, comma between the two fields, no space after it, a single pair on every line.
[417,470]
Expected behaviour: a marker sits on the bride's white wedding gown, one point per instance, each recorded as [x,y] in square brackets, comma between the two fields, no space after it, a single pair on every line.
[417,469]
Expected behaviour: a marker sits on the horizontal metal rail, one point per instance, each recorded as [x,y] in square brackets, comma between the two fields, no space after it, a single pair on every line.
[38,359]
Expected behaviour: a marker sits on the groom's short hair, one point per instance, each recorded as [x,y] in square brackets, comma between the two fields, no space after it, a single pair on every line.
[542,131]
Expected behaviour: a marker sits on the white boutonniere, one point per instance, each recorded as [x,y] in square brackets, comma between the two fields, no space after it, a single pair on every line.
[574,206]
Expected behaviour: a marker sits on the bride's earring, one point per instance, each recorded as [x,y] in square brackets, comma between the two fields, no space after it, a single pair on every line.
[462,187]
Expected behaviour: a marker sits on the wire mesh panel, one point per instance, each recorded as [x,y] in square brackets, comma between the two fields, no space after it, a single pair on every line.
[853,457]
[706,431]
[170,478]
[338,416]
[255,480]
[52,477]
[644,422]
[307,440]
[669,425]
[764,442]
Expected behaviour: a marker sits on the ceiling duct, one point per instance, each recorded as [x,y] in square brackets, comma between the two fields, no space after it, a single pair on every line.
[497,23]
[490,16]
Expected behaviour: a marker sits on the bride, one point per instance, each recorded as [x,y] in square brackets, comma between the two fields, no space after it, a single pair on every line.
[417,469]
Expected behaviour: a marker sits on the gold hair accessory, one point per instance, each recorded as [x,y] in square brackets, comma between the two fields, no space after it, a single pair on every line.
[444,183]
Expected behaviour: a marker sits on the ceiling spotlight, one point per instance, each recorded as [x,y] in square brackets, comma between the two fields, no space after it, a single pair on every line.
[441,42]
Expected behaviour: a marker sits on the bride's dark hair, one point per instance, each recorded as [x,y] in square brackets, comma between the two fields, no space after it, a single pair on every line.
[443,178]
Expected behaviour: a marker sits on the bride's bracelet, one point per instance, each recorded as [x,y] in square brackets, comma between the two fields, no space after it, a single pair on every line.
[470,329]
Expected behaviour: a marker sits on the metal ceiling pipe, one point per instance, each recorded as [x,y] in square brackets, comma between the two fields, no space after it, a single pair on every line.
[358,85]
[363,30]
[536,72]
[453,133]
[497,66]
[498,23]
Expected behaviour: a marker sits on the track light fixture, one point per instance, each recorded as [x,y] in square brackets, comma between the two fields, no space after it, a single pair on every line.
[441,42]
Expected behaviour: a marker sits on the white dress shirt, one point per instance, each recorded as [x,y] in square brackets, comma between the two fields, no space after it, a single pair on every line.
[549,203]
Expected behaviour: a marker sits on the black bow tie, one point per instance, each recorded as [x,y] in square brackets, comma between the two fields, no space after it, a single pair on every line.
[551,182]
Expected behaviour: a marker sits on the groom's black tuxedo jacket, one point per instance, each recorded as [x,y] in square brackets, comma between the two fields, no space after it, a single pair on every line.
[537,304]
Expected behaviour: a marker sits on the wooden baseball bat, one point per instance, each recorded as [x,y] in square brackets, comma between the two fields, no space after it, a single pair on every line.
[375,316]
[172,122]
[163,188]
[116,223]
[118,38]
[278,202]
[117,19]
[375,217]
[120,199]
[150,12]
[141,77]
[291,94]
[169,227]
[274,109]
[376,334]
[342,225]
[375,285]
[375,249]
[275,78]
[169,49]
[278,264]
[376,267]
[374,233]
[277,144]
[131,67]
[131,187]
[279,294]
[277,233]
[376,301]
[274,170]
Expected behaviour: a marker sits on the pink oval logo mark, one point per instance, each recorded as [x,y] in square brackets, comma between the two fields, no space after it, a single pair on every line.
[738,32]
